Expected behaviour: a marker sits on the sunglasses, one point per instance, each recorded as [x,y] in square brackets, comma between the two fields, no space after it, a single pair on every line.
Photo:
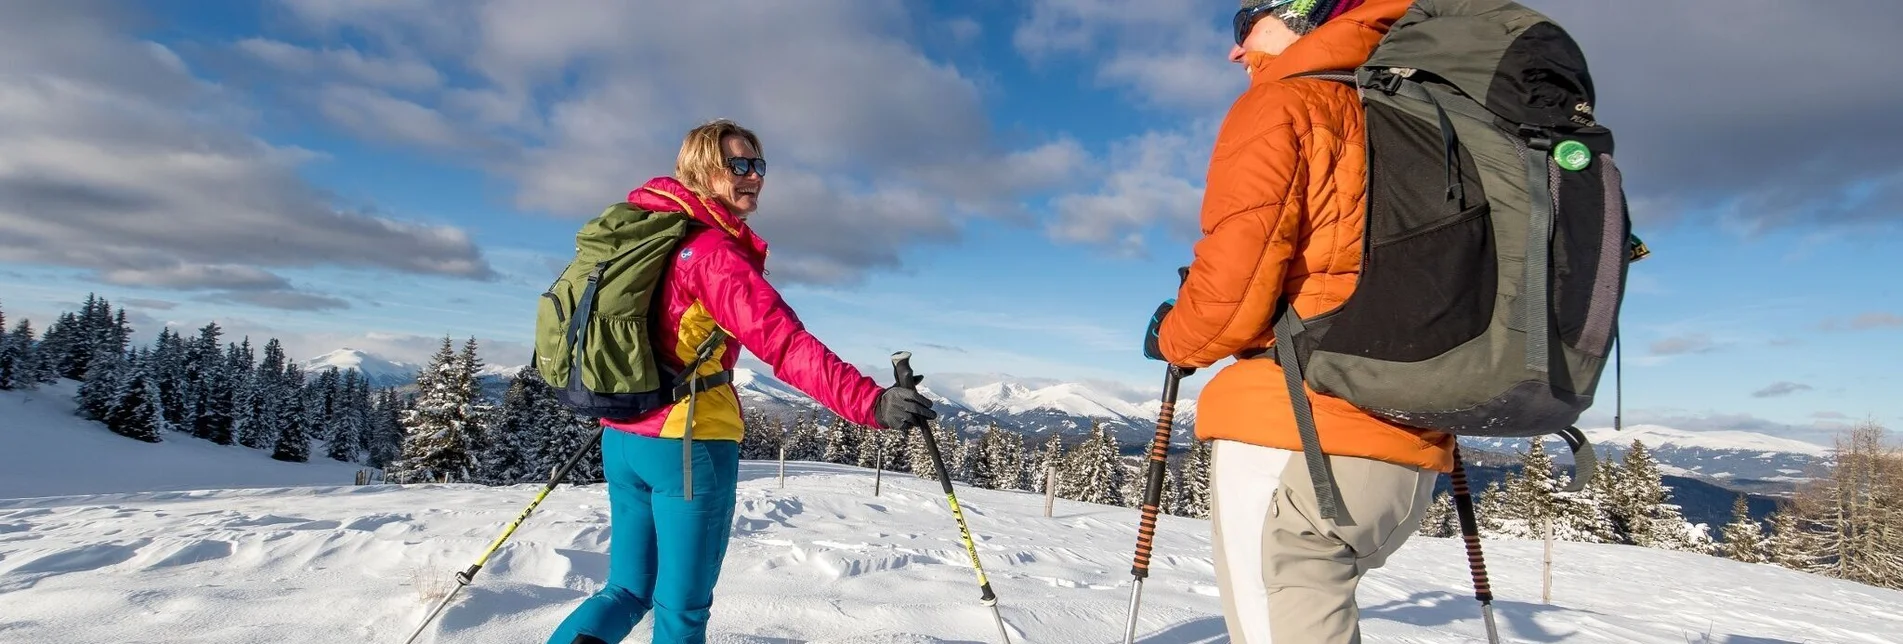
[1246,18]
[740,166]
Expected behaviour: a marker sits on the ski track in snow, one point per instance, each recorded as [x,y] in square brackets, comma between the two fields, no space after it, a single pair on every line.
[820,561]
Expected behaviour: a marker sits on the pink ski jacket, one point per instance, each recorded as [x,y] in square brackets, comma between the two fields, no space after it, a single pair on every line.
[717,277]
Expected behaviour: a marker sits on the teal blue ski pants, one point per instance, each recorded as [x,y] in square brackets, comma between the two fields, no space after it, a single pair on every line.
[664,551]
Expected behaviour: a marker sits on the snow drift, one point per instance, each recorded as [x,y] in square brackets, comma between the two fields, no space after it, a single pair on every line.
[820,560]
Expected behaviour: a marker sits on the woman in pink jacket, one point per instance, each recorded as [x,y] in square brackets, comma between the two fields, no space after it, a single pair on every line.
[670,530]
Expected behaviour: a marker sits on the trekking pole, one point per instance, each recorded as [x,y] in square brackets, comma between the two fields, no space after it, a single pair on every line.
[902,373]
[1470,532]
[464,577]
[1152,495]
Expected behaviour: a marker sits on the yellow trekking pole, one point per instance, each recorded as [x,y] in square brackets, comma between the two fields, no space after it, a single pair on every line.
[902,372]
[464,577]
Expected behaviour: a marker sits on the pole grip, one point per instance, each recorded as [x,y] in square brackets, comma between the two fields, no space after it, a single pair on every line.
[1470,531]
[1156,471]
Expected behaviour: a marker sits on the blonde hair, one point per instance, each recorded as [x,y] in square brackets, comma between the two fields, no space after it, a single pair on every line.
[700,156]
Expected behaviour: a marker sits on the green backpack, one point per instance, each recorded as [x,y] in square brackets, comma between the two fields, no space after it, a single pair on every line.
[594,326]
[1494,259]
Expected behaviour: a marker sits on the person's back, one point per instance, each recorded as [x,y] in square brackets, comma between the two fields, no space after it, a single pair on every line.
[1282,219]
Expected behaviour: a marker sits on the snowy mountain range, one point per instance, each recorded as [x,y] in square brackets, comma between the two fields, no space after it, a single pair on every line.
[1741,460]
[1032,407]
[389,373]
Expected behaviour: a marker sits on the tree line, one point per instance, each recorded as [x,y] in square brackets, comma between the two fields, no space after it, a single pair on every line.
[1846,523]
[203,386]
[1090,470]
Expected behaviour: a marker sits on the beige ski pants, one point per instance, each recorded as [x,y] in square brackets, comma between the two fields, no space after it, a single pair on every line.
[1286,575]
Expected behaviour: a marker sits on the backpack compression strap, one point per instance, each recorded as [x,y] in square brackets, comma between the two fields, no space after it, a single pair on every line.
[1288,325]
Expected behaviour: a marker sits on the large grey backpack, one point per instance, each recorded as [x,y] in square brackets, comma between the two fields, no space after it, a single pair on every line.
[1497,240]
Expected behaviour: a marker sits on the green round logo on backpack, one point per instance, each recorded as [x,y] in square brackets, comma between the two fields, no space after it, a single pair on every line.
[1572,155]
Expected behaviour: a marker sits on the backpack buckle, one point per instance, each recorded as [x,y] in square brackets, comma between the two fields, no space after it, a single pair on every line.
[1386,80]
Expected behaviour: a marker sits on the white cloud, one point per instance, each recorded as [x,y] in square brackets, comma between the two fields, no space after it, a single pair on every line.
[1171,55]
[346,62]
[375,115]
[1154,179]
[115,157]
[874,146]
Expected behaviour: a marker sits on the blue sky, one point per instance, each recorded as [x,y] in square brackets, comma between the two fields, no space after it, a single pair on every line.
[999,187]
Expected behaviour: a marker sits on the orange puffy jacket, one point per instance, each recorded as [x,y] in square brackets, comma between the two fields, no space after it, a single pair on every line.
[1282,213]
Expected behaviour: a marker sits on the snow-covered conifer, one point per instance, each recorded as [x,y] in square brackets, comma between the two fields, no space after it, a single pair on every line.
[99,388]
[294,420]
[436,444]
[1440,520]
[1744,536]
[135,412]
[1196,479]
[1095,473]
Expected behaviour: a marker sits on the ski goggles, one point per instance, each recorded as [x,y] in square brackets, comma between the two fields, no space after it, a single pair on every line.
[740,166]
[1246,18]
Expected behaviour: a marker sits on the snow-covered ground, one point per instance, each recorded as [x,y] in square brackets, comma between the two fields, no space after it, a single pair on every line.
[821,560]
[184,541]
[46,450]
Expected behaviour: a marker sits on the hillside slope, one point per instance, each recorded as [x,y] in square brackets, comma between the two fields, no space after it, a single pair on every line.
[46,450]
[818,561]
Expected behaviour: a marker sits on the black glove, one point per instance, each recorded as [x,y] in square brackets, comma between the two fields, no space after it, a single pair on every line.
[902,406]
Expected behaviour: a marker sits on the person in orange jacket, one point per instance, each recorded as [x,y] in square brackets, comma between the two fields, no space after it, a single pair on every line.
[1282,217]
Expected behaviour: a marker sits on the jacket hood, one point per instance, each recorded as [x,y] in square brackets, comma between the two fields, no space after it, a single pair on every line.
[1342,43]
[667,194]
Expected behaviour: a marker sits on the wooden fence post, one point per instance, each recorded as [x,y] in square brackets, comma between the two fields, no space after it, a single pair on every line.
[1050,489]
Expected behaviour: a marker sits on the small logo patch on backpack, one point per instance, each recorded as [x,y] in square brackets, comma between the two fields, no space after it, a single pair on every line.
[1572,155]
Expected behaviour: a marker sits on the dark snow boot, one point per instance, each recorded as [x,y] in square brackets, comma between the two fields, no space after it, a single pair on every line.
[587,639]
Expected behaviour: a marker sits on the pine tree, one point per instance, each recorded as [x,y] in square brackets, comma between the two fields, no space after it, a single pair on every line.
[960,455]
[1048,457]
[438,435]
[295,426]
[1095,473]
[1440,520]
[19,358]
[761,440]
[510,454]
[1196,479]
[1493,511]
[1851,518]
[236,397]
[99,388]
[980,465]
[1653,520]
[1002,456]
[136,411]
[874,450]
[842,446]
[264,415]
[386,429]
[1789,545]
[1527,499]
[479,413]
[920,454]
[168,372]
[1173,501]
[1744,536]
[209,384]
[342,415]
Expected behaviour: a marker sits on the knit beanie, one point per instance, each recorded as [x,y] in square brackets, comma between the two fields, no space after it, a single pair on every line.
[1303,16]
